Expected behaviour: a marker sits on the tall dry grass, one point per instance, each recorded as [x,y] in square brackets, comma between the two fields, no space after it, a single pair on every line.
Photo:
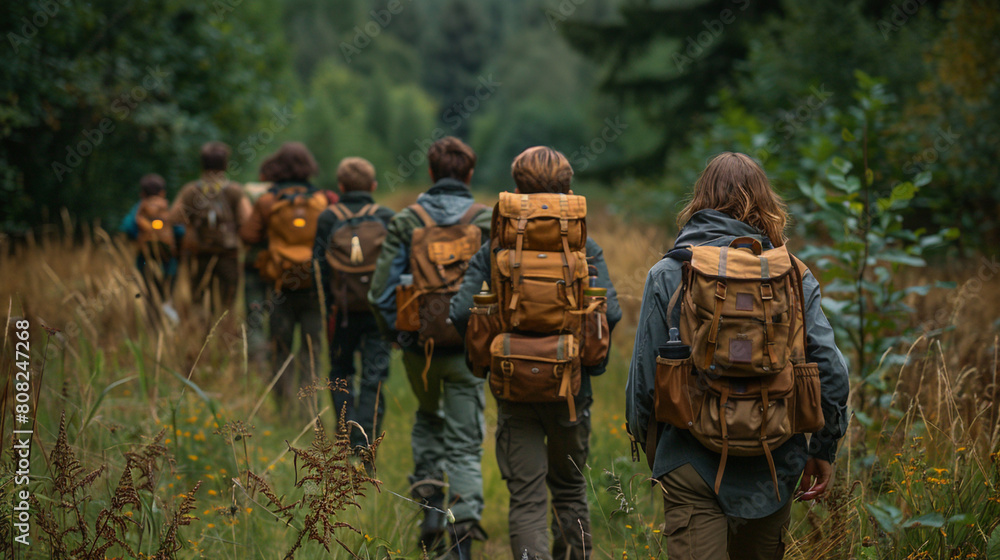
[123,373]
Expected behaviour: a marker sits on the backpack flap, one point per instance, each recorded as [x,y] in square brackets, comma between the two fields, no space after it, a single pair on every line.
[543,221]
[738,310]
[528,368]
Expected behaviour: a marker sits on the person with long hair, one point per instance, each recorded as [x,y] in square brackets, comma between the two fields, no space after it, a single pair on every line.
[744,515]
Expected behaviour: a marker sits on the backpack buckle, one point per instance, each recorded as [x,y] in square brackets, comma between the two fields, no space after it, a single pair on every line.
[766,292]
[720,290]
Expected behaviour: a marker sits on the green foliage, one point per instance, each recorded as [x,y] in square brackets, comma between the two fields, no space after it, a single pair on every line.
[102,93]
[869,240]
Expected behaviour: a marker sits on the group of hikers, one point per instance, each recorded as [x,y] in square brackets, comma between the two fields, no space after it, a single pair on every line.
[736,390]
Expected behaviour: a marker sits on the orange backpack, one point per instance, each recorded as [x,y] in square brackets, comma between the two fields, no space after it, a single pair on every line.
[156,232]
[746,387]
[291,232]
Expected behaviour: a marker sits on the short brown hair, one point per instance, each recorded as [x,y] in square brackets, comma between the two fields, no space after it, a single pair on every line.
[151,184]
[450,157]
[541,169]
[292,162]
[356,174]
[214,156]
[734,184]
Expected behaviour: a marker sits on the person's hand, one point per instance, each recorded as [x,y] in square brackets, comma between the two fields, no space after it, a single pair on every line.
[815,479]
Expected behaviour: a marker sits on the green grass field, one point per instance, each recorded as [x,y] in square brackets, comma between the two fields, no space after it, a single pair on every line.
[917,477]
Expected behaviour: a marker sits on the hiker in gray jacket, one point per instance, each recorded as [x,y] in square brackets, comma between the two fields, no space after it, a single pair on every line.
[732,198]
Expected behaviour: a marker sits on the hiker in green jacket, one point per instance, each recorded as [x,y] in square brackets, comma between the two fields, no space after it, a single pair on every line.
[746,518]
[449,426]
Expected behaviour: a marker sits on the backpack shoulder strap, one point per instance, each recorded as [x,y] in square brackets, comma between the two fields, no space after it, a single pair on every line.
[343,213]
[369,210]
[471,213]
[800,272]
[422,214]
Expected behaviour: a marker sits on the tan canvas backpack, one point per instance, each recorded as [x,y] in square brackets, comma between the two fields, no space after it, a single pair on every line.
[746,388]
[548,320]
[156,232]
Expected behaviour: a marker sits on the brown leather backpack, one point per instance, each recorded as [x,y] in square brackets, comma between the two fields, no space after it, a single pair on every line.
[156,232]
[352,253]
[291,232]
[439,257]
[746,388]
[539,272]
[213,219]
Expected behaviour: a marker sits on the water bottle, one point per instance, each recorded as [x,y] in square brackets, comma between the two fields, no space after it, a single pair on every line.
[674,349]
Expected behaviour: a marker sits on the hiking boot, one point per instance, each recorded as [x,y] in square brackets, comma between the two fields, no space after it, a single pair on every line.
[429,494]
[462,535]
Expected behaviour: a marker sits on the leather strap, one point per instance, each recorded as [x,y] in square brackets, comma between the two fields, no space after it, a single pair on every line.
[342,212]
[723,400]
[713,331]
[428,353]
[422,214]
[763,439]
[471,213]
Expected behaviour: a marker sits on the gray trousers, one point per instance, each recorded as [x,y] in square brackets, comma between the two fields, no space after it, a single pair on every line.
[448,431]
[539,452]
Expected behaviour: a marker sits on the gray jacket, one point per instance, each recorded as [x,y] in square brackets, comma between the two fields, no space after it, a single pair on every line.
[747,490]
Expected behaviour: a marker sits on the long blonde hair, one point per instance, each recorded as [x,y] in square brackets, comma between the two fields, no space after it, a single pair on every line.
[734,184]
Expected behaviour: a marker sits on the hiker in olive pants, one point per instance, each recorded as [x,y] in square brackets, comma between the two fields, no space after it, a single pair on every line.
[449,426]
[529,463]
[448,432]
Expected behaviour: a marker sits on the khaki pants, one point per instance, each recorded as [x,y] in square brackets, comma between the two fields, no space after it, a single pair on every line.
[697,529]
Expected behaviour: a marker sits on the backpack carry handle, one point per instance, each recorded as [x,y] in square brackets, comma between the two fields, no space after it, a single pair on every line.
[754,245]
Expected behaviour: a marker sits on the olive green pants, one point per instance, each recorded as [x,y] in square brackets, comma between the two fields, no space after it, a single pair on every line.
[540,451]
[448,431]
[697,529]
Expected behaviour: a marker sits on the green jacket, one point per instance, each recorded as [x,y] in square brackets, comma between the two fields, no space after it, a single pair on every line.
[446,202]
[479,272]
[747,490]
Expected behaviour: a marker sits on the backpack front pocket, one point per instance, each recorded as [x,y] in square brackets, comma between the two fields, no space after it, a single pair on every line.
[675,392]
[535,369]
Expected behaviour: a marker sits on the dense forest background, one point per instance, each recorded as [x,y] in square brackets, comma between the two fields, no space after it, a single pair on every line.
[637,93]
